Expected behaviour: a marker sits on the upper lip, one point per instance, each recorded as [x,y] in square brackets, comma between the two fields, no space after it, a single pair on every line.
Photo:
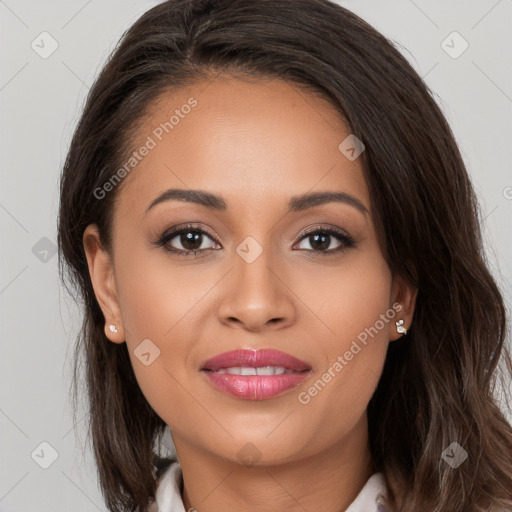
[255,359]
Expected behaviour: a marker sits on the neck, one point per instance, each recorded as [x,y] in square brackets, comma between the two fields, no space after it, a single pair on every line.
[327,480]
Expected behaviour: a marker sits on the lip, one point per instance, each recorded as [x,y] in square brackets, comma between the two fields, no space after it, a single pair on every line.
[255,387]
[255,358]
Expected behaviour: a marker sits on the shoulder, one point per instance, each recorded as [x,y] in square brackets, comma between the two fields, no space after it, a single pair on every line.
[168,492]
[168,476]
[372,496]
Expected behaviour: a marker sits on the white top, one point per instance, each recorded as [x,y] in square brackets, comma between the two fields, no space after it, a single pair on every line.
[168,497]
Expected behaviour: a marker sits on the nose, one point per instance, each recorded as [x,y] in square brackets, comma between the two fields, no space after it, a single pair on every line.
[257,296]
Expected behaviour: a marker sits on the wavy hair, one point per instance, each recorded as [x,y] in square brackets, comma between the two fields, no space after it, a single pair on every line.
[439,383]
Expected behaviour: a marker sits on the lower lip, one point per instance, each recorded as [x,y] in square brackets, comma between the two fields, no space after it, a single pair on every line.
[255,387]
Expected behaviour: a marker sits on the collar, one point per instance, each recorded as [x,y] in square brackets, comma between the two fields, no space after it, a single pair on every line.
[168,496]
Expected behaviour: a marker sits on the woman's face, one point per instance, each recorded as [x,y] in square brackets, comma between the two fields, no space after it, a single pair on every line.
[268,269]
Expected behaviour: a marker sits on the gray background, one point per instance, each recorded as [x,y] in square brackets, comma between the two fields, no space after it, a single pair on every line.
[40,101]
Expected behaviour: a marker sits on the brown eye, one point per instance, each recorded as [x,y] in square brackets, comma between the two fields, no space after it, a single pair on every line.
[190,241]
[187,240]
[323,240]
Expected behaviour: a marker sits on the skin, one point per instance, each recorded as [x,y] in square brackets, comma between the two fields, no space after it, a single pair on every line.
[256,144]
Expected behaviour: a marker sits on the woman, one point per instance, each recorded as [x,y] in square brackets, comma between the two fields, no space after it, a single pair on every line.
[278,248]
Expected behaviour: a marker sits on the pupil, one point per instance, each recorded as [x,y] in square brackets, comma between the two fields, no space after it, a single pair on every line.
[191,241]
[320,242]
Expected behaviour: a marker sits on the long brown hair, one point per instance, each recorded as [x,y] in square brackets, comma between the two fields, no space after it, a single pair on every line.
[438,384]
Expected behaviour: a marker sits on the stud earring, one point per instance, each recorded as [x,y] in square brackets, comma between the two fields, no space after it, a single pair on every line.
[113,328]
[400,327]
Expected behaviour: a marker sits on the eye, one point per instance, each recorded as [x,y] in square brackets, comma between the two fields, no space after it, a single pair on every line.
[320,240]
[186,240]
[190,240]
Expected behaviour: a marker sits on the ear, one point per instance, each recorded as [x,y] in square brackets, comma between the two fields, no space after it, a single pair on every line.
[101,271]
[403,300]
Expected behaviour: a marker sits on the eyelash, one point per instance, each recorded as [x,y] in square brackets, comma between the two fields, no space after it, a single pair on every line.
[346,240]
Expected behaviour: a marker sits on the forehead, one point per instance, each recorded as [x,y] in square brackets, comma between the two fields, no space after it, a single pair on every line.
[250,141]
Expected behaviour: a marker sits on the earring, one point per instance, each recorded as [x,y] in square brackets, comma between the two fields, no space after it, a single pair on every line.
[113,328]
[400,327]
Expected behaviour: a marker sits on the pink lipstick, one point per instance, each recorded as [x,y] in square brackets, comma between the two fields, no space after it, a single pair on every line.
[255,374]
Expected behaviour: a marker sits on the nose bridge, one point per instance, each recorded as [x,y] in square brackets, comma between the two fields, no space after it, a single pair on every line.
[255,276]
[256,296]
[253,266]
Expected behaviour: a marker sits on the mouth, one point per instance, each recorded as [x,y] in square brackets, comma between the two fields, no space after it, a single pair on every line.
[255,374]
[249,370]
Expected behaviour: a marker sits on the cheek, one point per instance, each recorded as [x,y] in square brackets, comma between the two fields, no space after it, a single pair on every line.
[156,293]
[160,301]
[346,299]
[362,296]
[354,307]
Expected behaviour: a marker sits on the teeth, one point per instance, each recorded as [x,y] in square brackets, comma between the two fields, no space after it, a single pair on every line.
[247,370]
[266,370]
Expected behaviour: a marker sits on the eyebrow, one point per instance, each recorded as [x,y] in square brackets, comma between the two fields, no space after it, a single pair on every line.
[295,204]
